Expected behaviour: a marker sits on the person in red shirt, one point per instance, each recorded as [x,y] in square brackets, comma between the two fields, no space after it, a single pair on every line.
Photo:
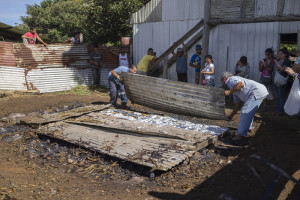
[32,36]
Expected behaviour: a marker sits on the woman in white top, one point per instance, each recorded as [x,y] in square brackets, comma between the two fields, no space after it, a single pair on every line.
[123,58]
[209,71]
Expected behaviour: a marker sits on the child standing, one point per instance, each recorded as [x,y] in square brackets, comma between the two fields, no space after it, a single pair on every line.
[209,71]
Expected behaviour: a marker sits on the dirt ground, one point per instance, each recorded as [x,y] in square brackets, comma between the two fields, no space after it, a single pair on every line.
[35,167]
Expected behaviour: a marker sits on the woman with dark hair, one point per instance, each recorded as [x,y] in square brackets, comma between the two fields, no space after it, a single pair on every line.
[242,68]
[209,71]
[266,67]
[280,88]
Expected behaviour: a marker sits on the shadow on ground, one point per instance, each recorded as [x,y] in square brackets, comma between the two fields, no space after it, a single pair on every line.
[278,142]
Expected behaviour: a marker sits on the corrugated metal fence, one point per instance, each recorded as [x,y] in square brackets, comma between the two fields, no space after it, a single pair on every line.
[57,67]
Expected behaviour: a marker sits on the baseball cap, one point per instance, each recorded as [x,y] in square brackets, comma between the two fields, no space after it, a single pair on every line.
[198,46]
[179,50]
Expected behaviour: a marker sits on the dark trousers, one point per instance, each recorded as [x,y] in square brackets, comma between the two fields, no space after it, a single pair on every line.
[182,77]
[116,88]
[96,74]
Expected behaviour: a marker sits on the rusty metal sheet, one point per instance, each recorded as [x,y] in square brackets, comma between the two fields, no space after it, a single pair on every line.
[54,55]
[158,147]
[7,57]
[49,118]
[155,152]
[175,97]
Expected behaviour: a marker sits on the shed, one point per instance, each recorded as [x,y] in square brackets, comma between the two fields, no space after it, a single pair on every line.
[8,32]
[160,24]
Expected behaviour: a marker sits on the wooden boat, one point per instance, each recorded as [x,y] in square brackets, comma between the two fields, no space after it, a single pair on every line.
[175,97]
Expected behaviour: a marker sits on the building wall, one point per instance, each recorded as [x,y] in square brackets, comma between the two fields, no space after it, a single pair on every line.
[227,42]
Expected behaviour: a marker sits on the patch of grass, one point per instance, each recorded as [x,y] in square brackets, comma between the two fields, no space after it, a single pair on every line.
[86,90]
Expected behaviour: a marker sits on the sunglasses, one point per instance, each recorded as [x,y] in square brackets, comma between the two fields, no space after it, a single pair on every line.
[267,54]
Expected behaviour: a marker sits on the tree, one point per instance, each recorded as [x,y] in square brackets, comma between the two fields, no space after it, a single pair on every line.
[56,20]
[101,21]
[108,20]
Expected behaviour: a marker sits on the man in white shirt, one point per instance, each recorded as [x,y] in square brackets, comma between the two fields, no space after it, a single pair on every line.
[247,91]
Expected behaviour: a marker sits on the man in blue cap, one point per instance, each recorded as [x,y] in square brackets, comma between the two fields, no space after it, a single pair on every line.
[196,63]
[181,63]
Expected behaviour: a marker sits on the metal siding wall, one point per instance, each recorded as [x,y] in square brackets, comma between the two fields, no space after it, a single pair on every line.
[249,40]
[59,79]
[289,27]
[12,78]
[151,12]
[182,9]
[142,40]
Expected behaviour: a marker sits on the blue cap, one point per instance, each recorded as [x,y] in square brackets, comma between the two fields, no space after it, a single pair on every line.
[198,46]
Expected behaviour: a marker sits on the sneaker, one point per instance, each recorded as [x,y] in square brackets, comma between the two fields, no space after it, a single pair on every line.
[238,137]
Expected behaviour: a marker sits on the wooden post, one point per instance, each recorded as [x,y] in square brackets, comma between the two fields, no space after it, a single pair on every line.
[206,30]
[179,41]
[165,68]
[243,8]
[280,7]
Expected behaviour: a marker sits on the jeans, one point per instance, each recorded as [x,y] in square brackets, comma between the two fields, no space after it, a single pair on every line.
[210,83]
[116,88]
[247,114]
[197,78]
[182,77]
[96,74]
[280,97]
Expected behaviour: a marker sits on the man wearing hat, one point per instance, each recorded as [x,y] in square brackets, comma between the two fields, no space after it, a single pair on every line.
[181,63]
[196,62]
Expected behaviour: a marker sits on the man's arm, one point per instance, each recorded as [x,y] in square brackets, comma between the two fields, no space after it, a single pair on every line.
[70,40]
[40,39]
[234,111]
[26,37]
[291,72]
[173,53]
[237,87]
[184,51]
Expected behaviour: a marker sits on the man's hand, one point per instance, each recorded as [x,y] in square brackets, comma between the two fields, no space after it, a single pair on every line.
[226,92]
[229,118]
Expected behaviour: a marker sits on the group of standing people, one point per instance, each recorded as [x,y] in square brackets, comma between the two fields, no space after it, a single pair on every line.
[195,62]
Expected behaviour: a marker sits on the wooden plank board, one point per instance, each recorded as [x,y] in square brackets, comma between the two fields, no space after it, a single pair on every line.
[157,153]
[59,116]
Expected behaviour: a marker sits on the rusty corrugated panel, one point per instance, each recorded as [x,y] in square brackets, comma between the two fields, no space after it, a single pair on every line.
[176,97]
[12,78]
[55,55]
[7,57]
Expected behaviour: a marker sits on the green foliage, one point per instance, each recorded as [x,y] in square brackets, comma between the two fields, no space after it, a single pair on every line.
[108,20]
[56,20]
[292,48]
[101,21]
